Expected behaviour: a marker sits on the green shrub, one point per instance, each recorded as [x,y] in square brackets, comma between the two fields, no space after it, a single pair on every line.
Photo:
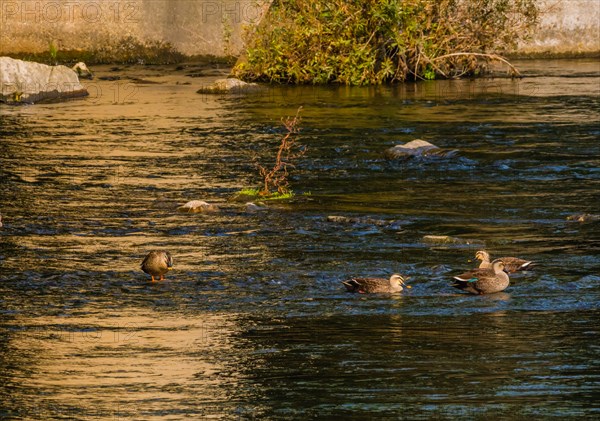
[372,42]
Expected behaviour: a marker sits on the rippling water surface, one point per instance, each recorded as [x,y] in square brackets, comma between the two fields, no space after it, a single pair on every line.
[253,322]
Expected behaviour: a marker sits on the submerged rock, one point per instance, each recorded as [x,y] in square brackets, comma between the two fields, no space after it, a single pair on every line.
[583,217]
[141,81]
[446,239]
[253,207]
[416,148]
[29,82]
[229,85]
[198,206]
[364,220]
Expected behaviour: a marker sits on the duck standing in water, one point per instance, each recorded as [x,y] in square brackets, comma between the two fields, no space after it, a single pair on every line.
[511,264]
[157,263]
[483,281]
[375,285]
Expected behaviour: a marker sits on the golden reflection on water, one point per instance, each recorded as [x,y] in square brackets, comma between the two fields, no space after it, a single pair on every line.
[141,359]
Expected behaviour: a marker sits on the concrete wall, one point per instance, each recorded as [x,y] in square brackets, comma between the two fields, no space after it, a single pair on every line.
[199,27]
[193,27]
[567,27]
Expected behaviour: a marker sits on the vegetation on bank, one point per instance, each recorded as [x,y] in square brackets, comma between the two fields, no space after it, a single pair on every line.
[374,41]
[128,50]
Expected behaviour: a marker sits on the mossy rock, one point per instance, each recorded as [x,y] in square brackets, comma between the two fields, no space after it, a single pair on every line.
[230,86]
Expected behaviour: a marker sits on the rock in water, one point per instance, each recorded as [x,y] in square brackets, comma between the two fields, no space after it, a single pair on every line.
[583,217]
[446,239]
[29,82]
[229,85]
[364,220]
[253,207]
[416,148]
[198,206]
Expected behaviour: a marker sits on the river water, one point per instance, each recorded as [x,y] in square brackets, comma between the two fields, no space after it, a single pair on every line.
[253,323]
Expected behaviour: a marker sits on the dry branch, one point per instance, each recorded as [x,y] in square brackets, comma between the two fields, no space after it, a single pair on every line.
[277,176]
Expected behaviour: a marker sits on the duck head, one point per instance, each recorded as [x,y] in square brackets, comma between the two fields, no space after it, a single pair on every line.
[397,282]
[498,266]
[482,255]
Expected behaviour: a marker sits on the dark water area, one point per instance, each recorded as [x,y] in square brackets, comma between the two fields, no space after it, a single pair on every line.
[253,322]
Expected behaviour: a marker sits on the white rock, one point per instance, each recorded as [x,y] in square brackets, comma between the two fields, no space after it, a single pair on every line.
[28,82]
[416,147]
[253,207]
[198,206]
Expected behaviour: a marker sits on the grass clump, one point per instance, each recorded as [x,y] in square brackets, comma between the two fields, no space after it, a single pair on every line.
[249,192]
[373,41]
[255,194]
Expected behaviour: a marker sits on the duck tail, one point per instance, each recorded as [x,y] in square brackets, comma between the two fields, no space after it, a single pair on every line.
[351,285]
[528,265]
[460,284]
[465,284]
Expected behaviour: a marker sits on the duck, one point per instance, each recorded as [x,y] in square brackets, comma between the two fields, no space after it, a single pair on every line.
[483,280]
[82,71]
[374,285]
[157,263]
[511,264]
